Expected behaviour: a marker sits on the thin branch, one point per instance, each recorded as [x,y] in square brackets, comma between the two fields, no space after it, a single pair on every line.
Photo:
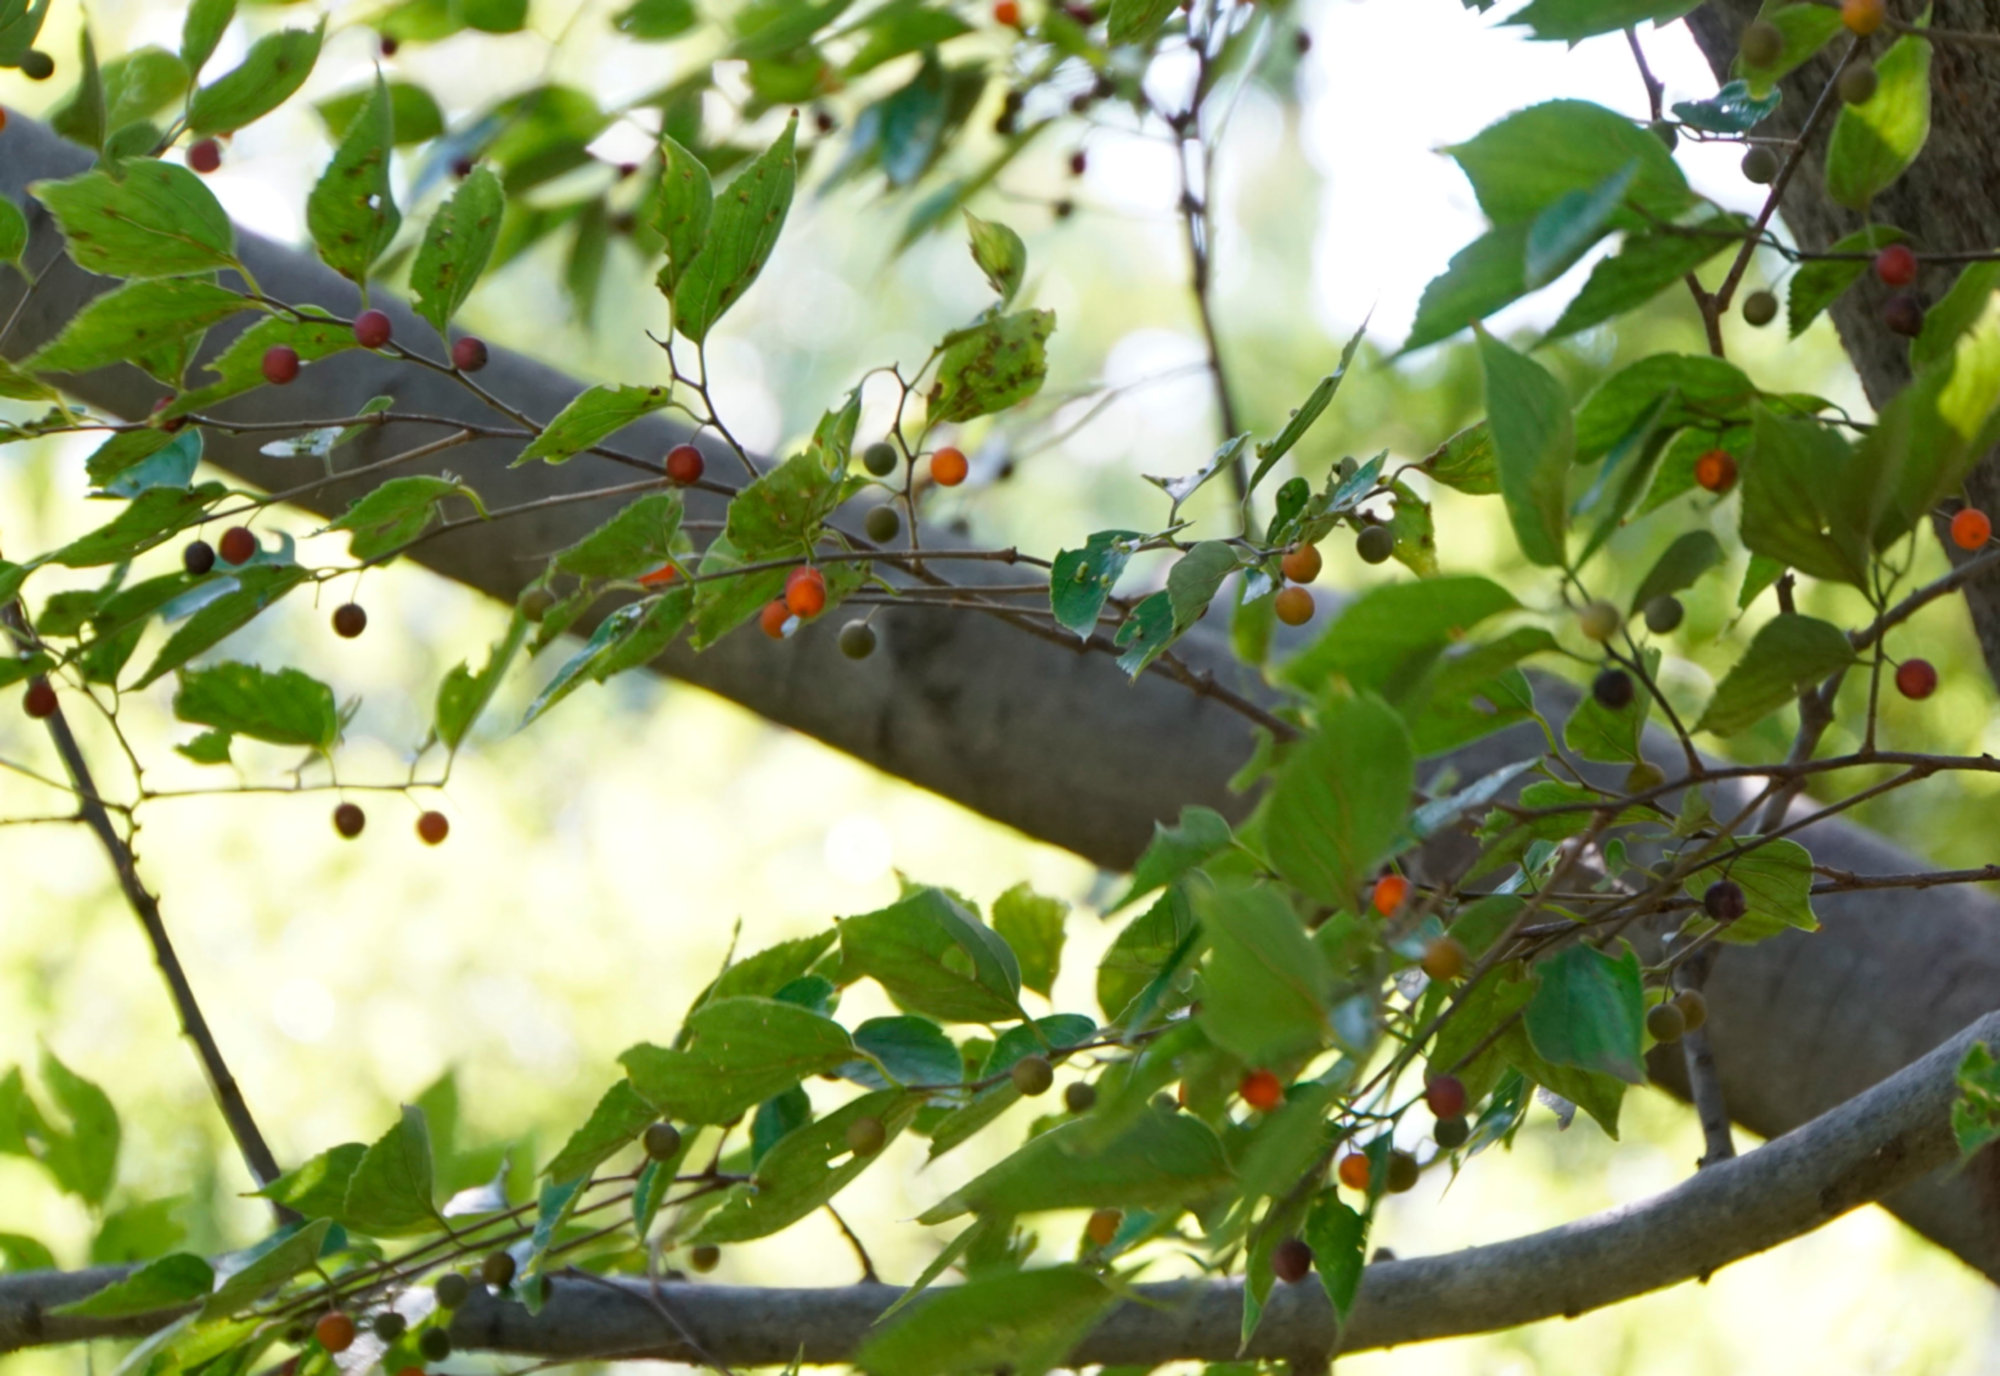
[1704,1085]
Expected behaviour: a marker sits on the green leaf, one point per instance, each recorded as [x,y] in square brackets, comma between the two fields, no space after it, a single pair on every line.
[771,969]
[935,958]
[1571,223]
[210,747]
[1534,441]
[132,320]
[1776,878]
[620,1116]
[276,66]
[1081,579]
[83,1158]
[602,410]
[1596,732]
[243,1288]
[741,233]
[150,518]
[1265,985]
[1466,461]
[240,367]
[1625,476]
[458,243]
[1023,1321]
[1588,1010]
[138,1232]
[1532,158]
[13,233]
[1806,28]
[1875,142]
[1137,21]
[1032,927]
[1286,1143]
[682,213]
[1146,633]
[1731,110]
[1161,1159]
[912,1051]
[1679,565]
[742,1052]
[1970,297]
[1175,850]
[81,118]
[1819,282]
[389,1194]
[783,509]
[1147,945]
[169,1283]
[999,253]
[1488,273]
[351,213]
[256,589]
[991,366]
[1340,799]
[1644,266]
[1195,578]
[1570,21]
[1379,634]
[462,695]
[395,513]
[1339,1239]
[143,218]
[22,1253]
[798,1175]
[639,538]
[1926,440]
[1302,419]
[288,707]
[1711,389]
[201,30]
[414,113]
[159,460]
[1794,507]
[1788,654]
[721,604]
[634,634]
[318,1189]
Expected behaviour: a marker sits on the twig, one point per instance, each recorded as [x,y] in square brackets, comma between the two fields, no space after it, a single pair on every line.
[868,1274]
[1704,1085]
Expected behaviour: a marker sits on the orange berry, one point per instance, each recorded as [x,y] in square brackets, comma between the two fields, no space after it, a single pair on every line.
[948,465]
[1007,12]
[773,618]
[1971,528]
[1715,470]
[684,464]
[335,1331]
[1390,891]
[1262,1090]
[1294,605]
[1103,1226]
[1862,17]
[1444,959]
[1301,563]
[1354,1171]
[659,577]
[805,592]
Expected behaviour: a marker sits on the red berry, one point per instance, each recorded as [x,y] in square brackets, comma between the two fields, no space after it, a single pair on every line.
[41,700]
[1904,315]
[389,45]
[371,329]
[805,593]
[468,355]
[1896,265]
[173,423]
[1971,528]
[1916,678]
[1262,1090]
[204,157]
[349,620]
[1390,891]
[773,618]
[461,168]
[433,827]
[1291,1261]
[684,464]
[948,466]
[335,1332]
[1445,1097]
[238,545]
[348,819]
[1077,163]
[1715,470]
[281,364]
[1102,1226]
[1294,605]
[1007,12]
[1353,1171]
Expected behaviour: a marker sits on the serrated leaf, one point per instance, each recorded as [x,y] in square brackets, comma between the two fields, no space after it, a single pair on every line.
[458,244]
[1466,461]
[1195,578]
[1265,985]
[13,234]
[143,218]
[169,1283]
[130,321]
[601,411]
[1794,500]
[1161,1159]
[1776,878]
[909,1050]
[1686,559]
[1644,266]
[318,1188]
[1340,799]
[275,67]
[991,366]
[83,1155]
[1023,1321]
[462,695]
[202,28]
[1081,579]
[798,1174]
[1137,21]
[351,212]
[292,1254]
[150,518]
[394,514]
[999,253]
[312,334]
[1789,653]
[1955,313]
[1571,21]
[1731,110]
[288,707]
[1032,927]
[414,113]
[783,509]
[1571,223]
[935,958]
[620,1116]
[1534,441]
[1875,142]
[389,1193]
[742,231]
[634,634]
[1485,275]
[1587,1012]
[639,538]
[1173,851]
[741,1052]
[1377,636]
[682,213]
[255,589]
[1527,161]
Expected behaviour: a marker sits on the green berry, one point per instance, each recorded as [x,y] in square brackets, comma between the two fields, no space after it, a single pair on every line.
[1760,165]
[1694,1008]
[1080,1096]
[1403,1172]
[880,458]
[1451,1133]
[704,1258]
[389,1325]
[435,1344]
[497,1270]
[1663,615]
[451,1290]
[1857,84]
[1763,44]
[1599,621]
[1375,544]
[37,65]
[882,523]
[1666,1022]
[662,1141]
[1664,131]
[1760,308]
[857,640]
[1033,1075]
[1644,776]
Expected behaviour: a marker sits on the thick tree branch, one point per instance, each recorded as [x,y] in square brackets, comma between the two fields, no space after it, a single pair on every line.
[1883,1139]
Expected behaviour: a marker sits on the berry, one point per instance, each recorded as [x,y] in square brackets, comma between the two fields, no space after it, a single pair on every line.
[1451,1133]
[1301,563]
[1663,614]
[1353,1171]
[335,1331]
[371,329]
[880,458]
[468,354]
[281,364]
[389,1325]
[1445,1097]
[1291,1261]
[1375,544]
[805,592]
[1715,471]
[1665,1022]
[1916,678]
[1262,1090]
[1007,12]
[824,121]
[1444,959]
[172,423]
[1032,1075]
[882,523]
[238,545]
[773,618]
[37,65]
[857,640]
[1402,1172]
[432,828]
[1644,777]
[662,1141]
[1294,605]
[1971,528]
[1760,308]
[659,577]
[1664,131]
[685,464]
[1857,84]
[497,1270]
[1078,162]
[1599,621]
[1063,209]
[348,819]
[1896,265]
[1863,17]
[435,1344]
[1302,42]
[198,558]
[865,1135]
[1904,315]
[1763,44]
[349,620]
[1724,901]
[461,168]
[948,465]
[451,1290]
[1080,1096]
[1613,690]
[204,157]
[1103,1226]
[1760,165]
[389,45]
[40,702]
[1693,1006]
[703,1259]
[1389,893]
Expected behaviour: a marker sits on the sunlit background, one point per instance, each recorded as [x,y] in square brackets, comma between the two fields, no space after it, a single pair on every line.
[601,864]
